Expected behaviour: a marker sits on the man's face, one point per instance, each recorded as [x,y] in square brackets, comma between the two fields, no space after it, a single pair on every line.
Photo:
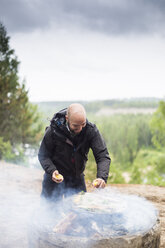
[76,124]
[76,128]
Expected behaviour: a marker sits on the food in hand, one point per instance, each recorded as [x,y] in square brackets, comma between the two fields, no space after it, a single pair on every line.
[59,177]
[95,183]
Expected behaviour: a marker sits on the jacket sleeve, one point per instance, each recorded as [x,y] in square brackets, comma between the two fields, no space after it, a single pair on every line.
[101,154]
[45,153]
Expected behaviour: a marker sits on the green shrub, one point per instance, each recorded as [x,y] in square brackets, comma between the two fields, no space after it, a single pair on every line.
[161,164]
[115,175]
[149,168]
[136,175]
[5,149]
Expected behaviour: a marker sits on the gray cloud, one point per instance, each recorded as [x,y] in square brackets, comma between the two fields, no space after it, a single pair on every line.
[108,16]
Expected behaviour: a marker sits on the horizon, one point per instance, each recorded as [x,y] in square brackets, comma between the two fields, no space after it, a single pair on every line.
[110,99]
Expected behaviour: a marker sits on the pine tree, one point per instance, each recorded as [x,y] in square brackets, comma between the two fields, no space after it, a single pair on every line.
[157,126]
[19,119]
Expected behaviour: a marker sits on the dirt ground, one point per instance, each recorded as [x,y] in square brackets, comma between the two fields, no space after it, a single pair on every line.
[20,189]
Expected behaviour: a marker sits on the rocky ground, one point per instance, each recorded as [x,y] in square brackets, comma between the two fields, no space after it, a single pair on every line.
[20,193]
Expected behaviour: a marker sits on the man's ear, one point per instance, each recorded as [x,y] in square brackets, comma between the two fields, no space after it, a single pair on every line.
[66,117]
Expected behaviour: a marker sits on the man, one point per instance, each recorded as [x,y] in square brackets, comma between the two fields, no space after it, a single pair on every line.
[64,150]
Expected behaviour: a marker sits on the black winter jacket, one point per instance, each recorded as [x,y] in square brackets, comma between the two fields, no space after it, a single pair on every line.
[60,151]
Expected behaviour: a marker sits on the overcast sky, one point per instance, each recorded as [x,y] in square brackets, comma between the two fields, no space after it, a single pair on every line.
[88,49]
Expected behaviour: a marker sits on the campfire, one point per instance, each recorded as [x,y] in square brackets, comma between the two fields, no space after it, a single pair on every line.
[86,219]
[91,215]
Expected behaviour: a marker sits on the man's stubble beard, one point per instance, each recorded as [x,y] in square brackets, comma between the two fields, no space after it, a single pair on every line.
[72,131]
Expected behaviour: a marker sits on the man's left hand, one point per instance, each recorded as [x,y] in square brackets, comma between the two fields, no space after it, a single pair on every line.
[99,183]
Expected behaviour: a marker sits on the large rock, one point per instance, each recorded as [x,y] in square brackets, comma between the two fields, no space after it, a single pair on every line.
[149,239]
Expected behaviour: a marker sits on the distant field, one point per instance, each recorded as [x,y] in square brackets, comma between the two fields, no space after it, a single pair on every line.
[112,111]
[105,107]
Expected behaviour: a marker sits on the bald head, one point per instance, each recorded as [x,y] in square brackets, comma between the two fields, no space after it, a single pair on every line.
[76,117]
[76,109]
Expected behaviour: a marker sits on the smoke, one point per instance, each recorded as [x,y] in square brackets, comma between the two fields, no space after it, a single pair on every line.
[24,217]
[19,196]
[139,214]
[102,213]
[16,208]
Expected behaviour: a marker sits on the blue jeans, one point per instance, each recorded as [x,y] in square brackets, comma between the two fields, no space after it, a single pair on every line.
[70,185]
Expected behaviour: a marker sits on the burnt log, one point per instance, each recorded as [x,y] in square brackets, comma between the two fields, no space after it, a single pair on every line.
[65,224]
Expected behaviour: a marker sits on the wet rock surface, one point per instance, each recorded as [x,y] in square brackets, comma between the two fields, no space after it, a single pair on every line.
[19,185]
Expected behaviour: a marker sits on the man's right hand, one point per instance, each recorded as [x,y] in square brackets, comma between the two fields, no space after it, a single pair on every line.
[56,177]
[99,183]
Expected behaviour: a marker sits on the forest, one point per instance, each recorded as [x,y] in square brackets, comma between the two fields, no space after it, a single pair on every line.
[136,146]
[135,139]
[136,142]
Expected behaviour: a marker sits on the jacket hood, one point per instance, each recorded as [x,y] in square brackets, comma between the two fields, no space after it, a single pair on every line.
[58,118]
